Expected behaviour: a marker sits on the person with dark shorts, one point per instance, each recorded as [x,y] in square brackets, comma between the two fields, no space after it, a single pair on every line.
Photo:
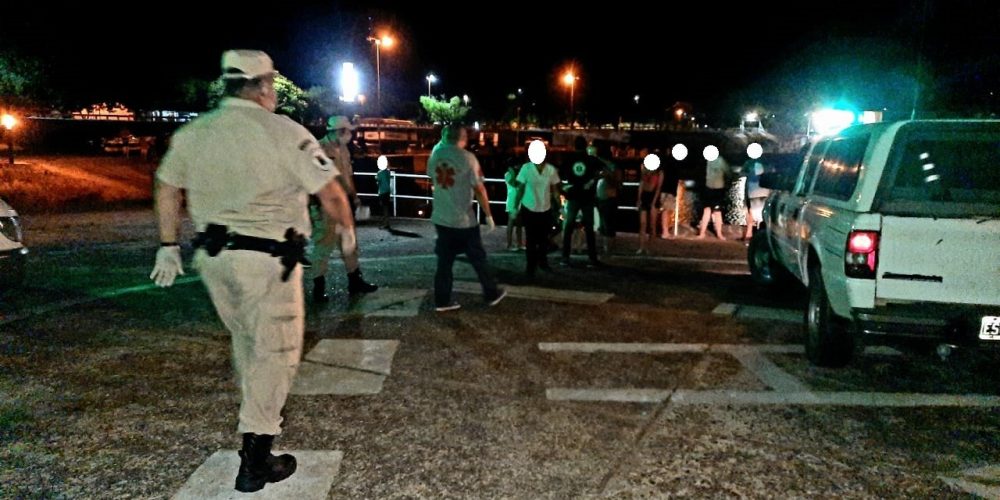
[713,196]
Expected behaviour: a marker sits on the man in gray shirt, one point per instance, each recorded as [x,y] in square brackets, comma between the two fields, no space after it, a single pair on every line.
[457,176]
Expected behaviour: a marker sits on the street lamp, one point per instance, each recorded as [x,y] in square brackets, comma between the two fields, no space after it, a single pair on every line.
[465,99]
[380,42]
[570,79]
[350,83]
[8,122]
[430,79]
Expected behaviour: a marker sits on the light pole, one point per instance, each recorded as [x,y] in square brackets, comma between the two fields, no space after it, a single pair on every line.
[387,42]
[8,122]
[570,79]
[430,80]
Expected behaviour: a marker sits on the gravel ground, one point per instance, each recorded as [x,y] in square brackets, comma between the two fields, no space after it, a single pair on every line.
[125,397]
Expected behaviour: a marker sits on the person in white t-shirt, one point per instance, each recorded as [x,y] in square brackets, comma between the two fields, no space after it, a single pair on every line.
[538,184]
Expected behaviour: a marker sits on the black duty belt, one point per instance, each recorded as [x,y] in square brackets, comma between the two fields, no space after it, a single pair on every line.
[291,251]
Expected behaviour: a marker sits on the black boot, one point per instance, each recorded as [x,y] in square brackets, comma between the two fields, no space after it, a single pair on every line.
[258,466]
[356,284]
[319,290]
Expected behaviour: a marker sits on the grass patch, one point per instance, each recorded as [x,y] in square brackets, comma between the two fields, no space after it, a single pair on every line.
[69,183]
[12,419]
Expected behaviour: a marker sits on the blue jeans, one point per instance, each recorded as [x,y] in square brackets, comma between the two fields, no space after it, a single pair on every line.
[450,243]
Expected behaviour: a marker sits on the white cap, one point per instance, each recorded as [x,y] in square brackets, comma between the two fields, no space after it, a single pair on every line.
[246,64]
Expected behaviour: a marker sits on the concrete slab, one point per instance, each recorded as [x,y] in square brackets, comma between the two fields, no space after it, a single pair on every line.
[768,314]
[315,379]
[873,399]
[312,480]
[387,298]
[767,372]
[725,309]
[621,347]
[539,293]
[608,395]
[408,309]
[654,348]
[366,355]
[980,481]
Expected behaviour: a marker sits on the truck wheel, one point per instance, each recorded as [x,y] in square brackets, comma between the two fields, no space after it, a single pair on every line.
[829,341]
[764,270]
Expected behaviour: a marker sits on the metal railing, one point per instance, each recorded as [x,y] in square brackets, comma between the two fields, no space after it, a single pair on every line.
[479,212]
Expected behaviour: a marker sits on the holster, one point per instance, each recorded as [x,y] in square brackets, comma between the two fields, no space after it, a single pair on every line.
[290,252]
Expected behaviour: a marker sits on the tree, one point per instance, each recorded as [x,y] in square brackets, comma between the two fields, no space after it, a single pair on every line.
[21,79]
[444,112]
[292,100]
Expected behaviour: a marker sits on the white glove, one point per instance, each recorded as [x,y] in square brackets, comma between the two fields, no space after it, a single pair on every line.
[348,241]
[168,266]
[490,225]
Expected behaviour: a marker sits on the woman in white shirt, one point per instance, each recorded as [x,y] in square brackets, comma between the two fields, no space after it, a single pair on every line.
[537,186]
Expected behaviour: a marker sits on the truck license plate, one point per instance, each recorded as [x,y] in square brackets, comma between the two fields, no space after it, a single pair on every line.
[990,329]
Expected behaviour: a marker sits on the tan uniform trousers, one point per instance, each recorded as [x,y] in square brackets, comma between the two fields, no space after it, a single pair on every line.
[320,254]
[266,319]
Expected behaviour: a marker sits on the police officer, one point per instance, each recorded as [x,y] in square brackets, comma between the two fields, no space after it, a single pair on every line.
[247,173]
[325,234]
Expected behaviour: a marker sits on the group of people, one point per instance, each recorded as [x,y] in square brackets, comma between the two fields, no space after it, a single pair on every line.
[257,185]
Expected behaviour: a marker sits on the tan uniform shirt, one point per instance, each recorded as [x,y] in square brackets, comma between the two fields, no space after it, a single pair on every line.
[247,168]
[341,157]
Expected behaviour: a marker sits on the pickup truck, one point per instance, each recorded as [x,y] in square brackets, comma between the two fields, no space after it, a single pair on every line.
[894,228]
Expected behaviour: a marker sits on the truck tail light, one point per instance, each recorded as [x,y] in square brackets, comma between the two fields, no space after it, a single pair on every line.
[861,257]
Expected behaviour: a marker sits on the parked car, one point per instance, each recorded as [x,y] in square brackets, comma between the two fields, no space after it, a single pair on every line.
[12,251]
[894,228]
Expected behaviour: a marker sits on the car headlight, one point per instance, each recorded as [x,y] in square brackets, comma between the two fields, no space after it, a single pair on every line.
[10,228]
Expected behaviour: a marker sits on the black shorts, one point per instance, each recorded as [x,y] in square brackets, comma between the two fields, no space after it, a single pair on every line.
[646,200]
[713,198]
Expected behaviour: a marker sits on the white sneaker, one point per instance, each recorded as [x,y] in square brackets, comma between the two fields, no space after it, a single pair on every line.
[500,296]
[450,307]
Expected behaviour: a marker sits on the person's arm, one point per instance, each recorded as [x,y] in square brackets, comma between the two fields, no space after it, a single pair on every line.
[659,187]
[336,211]
[168,214]
[638,195]
[168,211]
[483,199]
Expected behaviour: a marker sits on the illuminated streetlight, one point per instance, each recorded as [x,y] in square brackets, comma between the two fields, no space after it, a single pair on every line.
[430,80]
[679,113]
[465,99]
[570,78]
[636,98]
[8,121]
[387,42]
[350,83]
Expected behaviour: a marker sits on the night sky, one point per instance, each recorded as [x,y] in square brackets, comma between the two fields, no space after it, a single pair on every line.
[721,58]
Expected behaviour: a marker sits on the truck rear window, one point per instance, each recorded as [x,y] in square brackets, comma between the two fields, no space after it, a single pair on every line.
[946,174]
